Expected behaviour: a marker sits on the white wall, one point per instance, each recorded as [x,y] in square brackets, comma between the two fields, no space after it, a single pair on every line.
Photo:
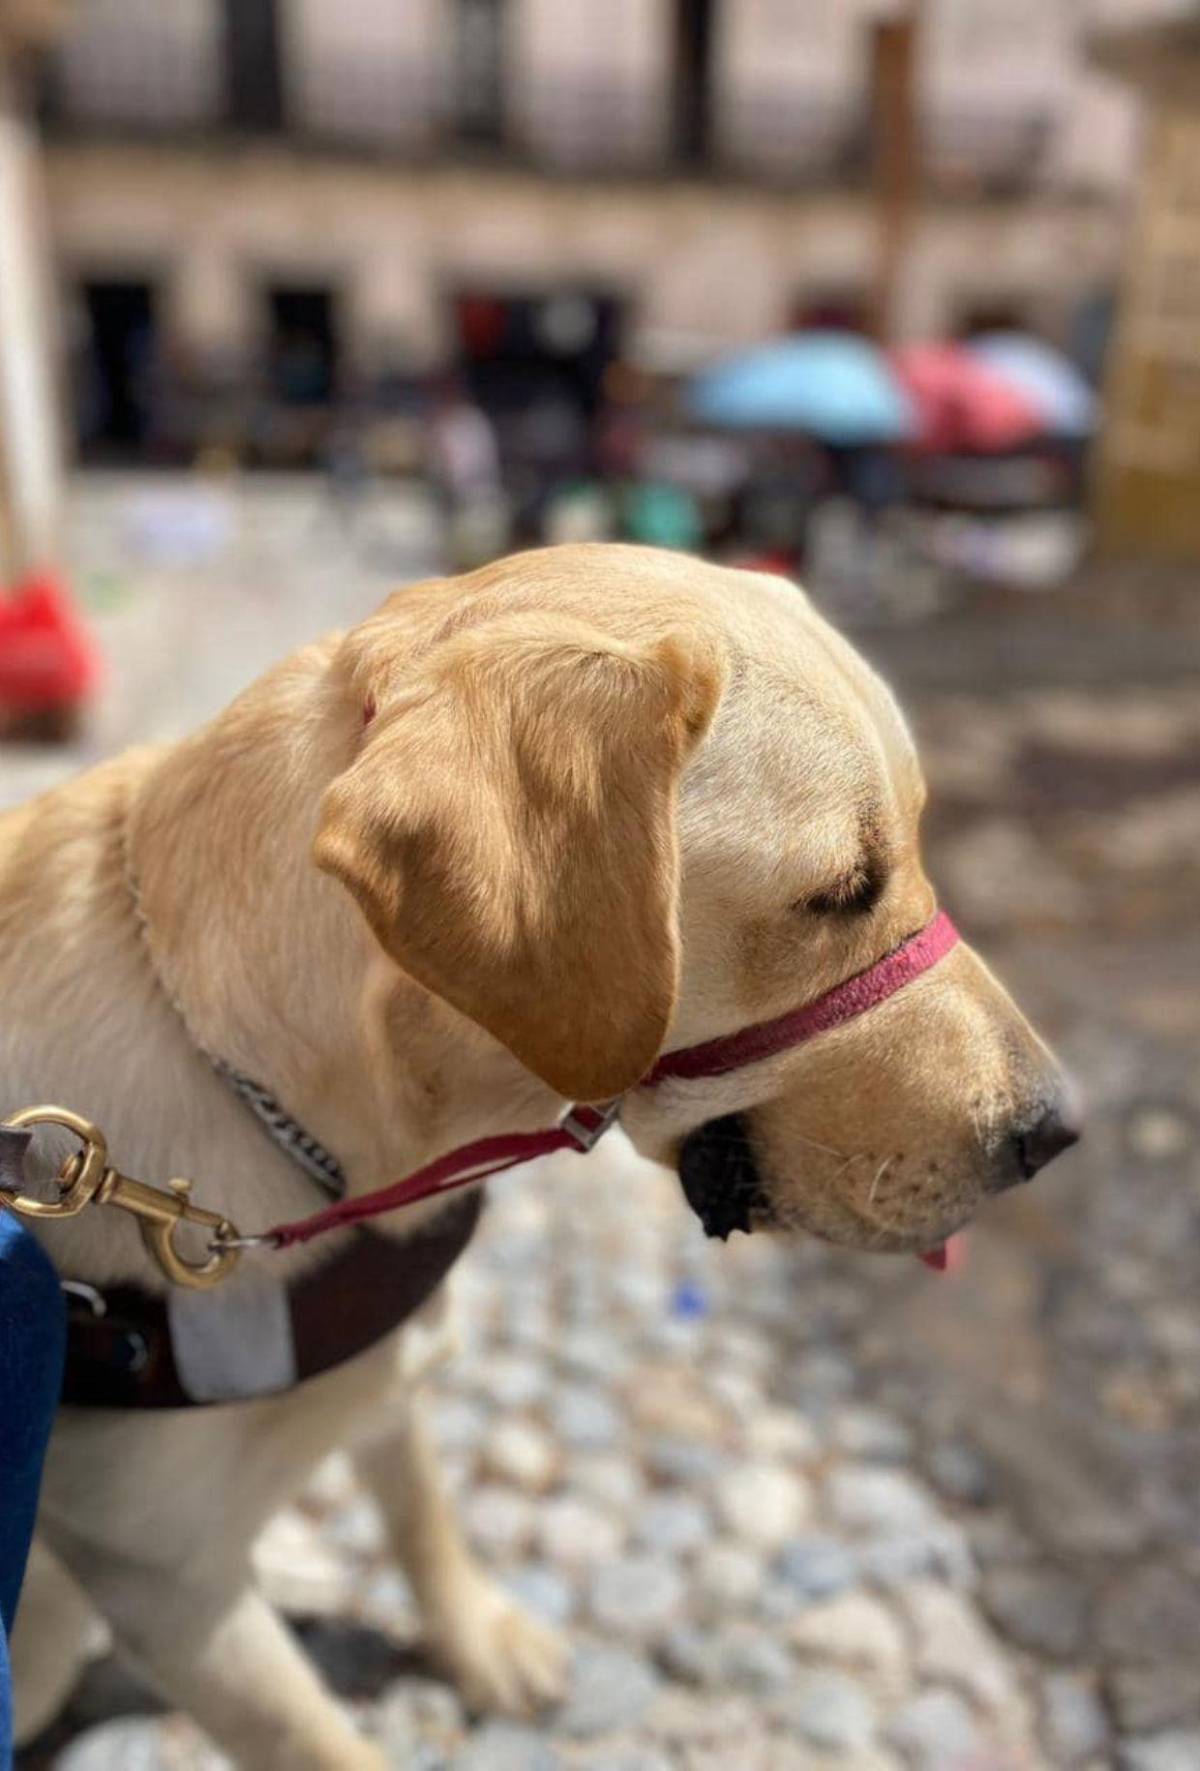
[143,62]
[790,78]
[727,264]
[366,69]
[590,79]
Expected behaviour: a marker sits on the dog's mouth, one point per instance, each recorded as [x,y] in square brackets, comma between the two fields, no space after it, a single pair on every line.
[720,1177]
[721,1183]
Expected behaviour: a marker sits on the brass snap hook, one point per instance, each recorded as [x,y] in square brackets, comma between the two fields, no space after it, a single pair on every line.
[87,1179]
[159,1212]
[80,1177]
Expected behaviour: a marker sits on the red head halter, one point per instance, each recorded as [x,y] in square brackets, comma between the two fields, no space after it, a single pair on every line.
[733,1051]
[582,1126]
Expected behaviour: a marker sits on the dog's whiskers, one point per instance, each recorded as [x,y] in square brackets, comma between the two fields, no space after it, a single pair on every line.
[858,1156]
[825,1149]
[879,1174]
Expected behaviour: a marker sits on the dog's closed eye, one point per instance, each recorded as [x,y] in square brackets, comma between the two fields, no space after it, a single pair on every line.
[855,894]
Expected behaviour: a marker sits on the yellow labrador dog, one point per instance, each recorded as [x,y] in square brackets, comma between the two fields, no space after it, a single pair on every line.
[494,850]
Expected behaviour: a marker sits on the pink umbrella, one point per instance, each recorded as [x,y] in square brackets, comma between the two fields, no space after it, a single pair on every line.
[961,403]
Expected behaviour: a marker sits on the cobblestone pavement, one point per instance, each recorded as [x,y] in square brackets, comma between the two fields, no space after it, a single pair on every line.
[799,1508]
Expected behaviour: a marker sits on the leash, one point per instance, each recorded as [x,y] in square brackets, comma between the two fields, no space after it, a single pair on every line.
[88,1178]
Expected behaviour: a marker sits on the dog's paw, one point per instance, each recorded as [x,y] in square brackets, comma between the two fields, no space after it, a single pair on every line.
[500,1657]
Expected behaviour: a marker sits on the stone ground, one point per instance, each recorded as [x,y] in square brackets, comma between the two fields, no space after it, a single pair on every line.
[797,1508]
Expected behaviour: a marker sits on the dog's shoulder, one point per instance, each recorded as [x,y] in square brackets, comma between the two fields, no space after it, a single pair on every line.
[51,846]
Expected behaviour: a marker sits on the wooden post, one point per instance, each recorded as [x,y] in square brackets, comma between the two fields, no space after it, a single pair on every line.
[894,158]
[30,444]
[1146,482]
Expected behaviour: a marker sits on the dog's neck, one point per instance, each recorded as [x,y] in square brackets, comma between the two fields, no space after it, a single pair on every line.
[274,971]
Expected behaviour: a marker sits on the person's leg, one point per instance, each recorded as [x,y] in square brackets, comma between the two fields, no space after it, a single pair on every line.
[32,1342]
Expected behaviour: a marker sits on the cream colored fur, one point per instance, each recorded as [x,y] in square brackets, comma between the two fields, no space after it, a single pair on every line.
[599,792]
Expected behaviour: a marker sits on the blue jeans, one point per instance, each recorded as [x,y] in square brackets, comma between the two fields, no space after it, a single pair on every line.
[32,1341]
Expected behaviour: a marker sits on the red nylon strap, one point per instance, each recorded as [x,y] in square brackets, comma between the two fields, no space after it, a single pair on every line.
[731,1051]
[582,1125]
[458,1168]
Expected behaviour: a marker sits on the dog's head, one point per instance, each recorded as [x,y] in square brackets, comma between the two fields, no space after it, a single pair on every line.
[609,800]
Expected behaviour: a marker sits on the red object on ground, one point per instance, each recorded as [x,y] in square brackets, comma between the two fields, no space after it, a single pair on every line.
[46,658]
[962,403]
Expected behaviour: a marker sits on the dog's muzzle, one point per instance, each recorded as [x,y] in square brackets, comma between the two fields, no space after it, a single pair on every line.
[720,1177]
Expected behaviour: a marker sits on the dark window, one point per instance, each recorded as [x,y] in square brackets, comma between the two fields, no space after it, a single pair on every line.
[479,70]
[833,309]
[993,315]
[695,22]
[253,74]
[302,353]
[115,384]
[536,363]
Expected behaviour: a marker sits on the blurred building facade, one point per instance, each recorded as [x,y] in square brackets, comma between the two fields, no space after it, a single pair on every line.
[329,192]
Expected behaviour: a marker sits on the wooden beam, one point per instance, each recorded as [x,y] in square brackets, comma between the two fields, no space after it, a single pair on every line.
[895,155]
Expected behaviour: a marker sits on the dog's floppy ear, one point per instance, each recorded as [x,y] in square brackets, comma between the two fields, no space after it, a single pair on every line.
[508,829]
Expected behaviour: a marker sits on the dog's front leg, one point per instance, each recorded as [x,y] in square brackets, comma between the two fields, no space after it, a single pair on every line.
[223,1655]
[500,1658]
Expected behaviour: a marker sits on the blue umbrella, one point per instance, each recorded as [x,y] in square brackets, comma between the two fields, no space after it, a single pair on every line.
[835,385]
[1044,375]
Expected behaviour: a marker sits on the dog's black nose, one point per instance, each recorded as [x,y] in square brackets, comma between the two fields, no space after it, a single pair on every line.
[1050,1134]
[719,1175]
[1053,1133]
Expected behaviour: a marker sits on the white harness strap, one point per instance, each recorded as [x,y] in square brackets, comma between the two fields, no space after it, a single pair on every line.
[240,1345]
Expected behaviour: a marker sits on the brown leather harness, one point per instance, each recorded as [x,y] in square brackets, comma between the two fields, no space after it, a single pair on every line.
[121,1350]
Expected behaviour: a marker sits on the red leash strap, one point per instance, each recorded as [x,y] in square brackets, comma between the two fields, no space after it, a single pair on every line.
[578,1131]
[582,1126]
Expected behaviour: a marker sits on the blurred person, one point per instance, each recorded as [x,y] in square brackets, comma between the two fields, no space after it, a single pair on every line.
[662,515]
[581,512]
[347,467]
[773,510]
[871,476]
[464,457]
[463,465]
[622,422]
